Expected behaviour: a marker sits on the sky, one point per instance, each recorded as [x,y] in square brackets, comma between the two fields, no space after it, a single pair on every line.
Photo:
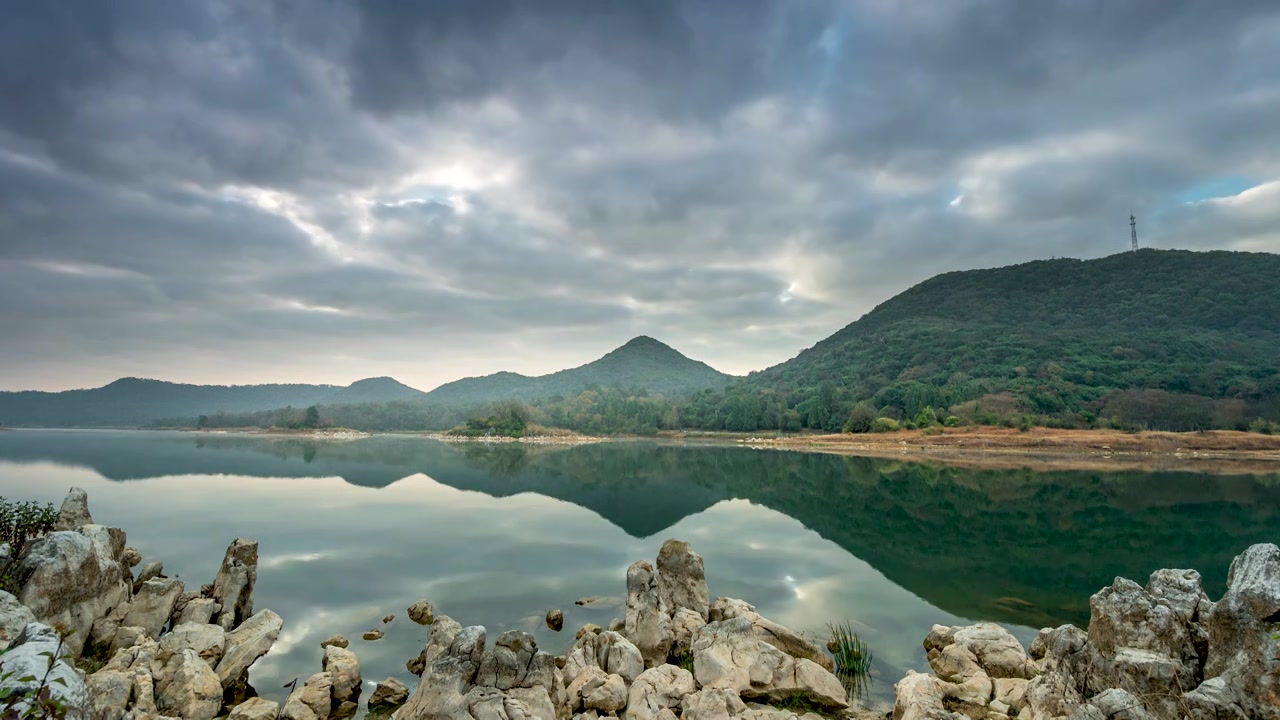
[246,191]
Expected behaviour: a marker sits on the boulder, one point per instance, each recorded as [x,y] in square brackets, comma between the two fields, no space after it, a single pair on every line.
[712,704]
[647,625]
[39,653]
[609,651]
[555,620]
[126,637]
[344,671]
[785,639]
[727,654]
[71,578]
[312,701]
[131,557]
[109,694]
[1215,699]
[1243,626]
[372,635]
[208,641]
[14,616]
[588,629]
[684,624]
[186,687]
[682,582]
[255,709]
[336,641]
[922,697]
[152,605]
[1113,704]
[608,696]
[657,691]
[585,682]
[199,611]
[996,650]
[248,642]
[233,585]
[421,612]
[388,693]
[74,512]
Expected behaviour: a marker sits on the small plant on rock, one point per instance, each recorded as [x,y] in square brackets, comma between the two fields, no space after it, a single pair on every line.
[852,658]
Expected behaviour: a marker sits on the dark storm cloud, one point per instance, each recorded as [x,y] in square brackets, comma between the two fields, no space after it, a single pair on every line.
[210,191]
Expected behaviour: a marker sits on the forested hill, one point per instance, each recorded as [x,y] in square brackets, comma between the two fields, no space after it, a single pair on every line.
[133,401]
[1056,338]
[642,363]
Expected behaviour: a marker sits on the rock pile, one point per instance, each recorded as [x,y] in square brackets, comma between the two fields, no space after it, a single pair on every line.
[740,662]
[1154,652]
[166,652]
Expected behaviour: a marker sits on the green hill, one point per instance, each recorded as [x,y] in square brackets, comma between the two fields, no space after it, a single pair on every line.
[642,363]
[1062,338]
[136,402]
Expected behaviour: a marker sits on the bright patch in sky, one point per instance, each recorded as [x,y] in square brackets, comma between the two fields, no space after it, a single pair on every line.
[1216,188]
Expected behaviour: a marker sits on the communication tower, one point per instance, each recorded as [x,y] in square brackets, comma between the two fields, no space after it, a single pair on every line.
[1133,231]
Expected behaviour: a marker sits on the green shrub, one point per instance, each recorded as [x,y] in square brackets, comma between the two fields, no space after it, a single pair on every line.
[926,417]
[1259,425]
[23,521]
[885,425]
[861,419]
[951,421]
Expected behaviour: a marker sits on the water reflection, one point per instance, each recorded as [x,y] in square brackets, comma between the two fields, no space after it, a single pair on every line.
[499,534]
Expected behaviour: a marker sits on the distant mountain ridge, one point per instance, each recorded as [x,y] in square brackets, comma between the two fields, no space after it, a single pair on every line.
[136,401]
[642,362]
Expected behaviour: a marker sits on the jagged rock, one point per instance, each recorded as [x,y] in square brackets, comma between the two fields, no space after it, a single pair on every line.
[388,693]
[372,635]
[647,625]
[682,582]
[344,669]
[14,616]
[421,612]
[130,557]
[1215,699]
[74,512]
[443,632]
[995,649]
[712,704]
[336,641]
[199,611]
[728,654]
[555,620]
[152,605]
[71,578]
[127,637]
[247,643]
[1243,646]
[233,586]
[209,641]
[312,701]
[109,694]
[455,662]
[1011,692]
[186,687]
[779,636]
[609,651]
[683,625]
[255,709]
[584,682]
[39,653]
[148,571]
[1113,704]
[922,697]
[656,691]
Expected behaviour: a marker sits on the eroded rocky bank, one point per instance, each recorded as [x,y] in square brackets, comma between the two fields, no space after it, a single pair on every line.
[154,649]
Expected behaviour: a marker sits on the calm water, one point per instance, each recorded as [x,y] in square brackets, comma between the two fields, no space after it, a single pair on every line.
[497,535]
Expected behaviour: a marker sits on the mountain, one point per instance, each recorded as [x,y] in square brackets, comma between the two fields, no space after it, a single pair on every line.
[1065,338]
[134,401]
[641,363]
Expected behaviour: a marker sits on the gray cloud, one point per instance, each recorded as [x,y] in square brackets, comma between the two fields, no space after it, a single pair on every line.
[320,191]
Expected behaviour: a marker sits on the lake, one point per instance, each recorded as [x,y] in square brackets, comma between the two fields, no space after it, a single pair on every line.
[498,534]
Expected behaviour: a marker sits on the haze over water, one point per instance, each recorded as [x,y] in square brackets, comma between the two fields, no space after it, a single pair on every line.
[499,534]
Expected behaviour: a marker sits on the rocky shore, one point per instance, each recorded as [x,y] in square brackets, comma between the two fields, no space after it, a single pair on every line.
[154,649]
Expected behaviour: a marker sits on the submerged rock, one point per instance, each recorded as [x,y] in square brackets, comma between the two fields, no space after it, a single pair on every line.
[555,620]
[421,612]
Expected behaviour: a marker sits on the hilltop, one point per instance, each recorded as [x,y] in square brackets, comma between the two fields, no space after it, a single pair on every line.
[1057,338]
[642,363]
[136,401]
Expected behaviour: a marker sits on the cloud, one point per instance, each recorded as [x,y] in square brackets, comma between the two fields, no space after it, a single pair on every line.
[319,191]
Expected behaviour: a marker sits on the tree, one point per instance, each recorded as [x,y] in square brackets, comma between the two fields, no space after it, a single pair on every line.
[860,419]
[313,418]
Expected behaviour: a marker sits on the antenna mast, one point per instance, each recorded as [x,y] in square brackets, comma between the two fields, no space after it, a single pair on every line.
[1133,231]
